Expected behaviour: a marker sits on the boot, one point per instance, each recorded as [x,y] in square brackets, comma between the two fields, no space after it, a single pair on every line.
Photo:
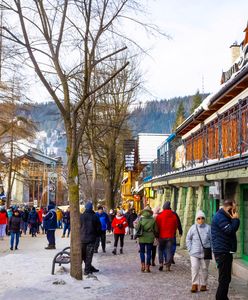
[121,251]
[143,267]
[203,288]
[153,263]
[63,236]
[114,251]
[167,268]
[161,267]
[131,237]
[194,288]
[148,269]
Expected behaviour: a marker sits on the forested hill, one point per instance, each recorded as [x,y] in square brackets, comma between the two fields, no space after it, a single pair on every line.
[153,117]
[159,116]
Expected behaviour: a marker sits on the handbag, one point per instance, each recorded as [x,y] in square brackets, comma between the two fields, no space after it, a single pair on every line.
[207,251]
[139,231]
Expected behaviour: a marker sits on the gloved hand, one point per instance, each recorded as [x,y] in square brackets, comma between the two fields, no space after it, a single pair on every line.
[120,226]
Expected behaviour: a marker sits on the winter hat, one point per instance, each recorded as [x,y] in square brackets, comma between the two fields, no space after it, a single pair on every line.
[167,205]
[200,214]
[50,206]
[120,211]
[89,206]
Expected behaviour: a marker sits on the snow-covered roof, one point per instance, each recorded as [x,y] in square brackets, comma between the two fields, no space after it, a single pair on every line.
[148,144]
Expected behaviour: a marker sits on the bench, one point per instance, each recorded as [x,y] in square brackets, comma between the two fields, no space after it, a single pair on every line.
[63,257]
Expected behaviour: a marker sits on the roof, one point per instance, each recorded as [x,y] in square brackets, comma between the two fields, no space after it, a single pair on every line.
[226,92]
[148,144]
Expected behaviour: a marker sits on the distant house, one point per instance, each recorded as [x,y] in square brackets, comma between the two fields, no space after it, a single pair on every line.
[37,179]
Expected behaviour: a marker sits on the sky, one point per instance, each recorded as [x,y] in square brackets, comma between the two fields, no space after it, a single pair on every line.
[202,33]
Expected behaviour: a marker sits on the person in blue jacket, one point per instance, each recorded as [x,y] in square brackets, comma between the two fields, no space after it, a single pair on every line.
[224,226]
[105,225]
[50,225]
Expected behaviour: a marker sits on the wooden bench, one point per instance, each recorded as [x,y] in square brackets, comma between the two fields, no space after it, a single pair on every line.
[63,257]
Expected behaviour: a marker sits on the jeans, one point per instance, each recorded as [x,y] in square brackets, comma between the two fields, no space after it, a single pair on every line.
[33,229]
[87,255]
[101,238]
[224,264]
[2,230]
[25,227]
[165,245]
[154,251]
[51,237]
[59,224]
[14,236]
[173,250]
[117,236]
[146,247]
[67,227]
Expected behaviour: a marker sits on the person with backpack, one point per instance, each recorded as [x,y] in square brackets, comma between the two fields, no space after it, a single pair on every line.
[146,231]
[14,228]
[50,225]
[119,225]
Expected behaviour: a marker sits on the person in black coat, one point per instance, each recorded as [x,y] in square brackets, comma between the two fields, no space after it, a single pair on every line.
[33,221]
[14,228]
[25,215]
[224,226]
[90,229]
[132,216]
[67,222]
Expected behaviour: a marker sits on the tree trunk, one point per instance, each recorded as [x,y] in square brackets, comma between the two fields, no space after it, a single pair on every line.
[10,167]
[108,195]
[93,182]
[76,258]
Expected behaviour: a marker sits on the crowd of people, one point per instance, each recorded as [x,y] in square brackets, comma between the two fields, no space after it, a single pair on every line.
[16,221]
[153,230]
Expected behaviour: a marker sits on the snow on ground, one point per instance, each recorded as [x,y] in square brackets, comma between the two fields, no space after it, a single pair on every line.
[26,273]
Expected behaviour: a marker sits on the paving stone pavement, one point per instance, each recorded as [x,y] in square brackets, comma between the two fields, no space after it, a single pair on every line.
[127,282]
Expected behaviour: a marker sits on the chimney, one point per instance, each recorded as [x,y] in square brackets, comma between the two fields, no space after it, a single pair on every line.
[235,52]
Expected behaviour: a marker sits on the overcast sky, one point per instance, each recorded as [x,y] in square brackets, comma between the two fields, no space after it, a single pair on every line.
[202,32]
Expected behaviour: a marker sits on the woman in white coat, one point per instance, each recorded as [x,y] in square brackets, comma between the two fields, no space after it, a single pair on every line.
[199,265]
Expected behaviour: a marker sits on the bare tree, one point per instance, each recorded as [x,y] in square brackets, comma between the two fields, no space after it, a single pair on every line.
[67,41]
[106,130]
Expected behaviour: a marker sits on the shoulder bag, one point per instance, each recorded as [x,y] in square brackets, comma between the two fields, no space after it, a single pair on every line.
[207,251]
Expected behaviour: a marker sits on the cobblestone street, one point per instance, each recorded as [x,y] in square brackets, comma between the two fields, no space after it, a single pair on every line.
[119,276]
[124,274]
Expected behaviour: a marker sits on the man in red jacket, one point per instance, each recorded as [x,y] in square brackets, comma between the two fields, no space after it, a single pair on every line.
[167,224]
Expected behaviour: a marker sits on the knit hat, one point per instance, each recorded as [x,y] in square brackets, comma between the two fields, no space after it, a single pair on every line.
[120,211]
[200,214]
[167,205]
[89,206]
